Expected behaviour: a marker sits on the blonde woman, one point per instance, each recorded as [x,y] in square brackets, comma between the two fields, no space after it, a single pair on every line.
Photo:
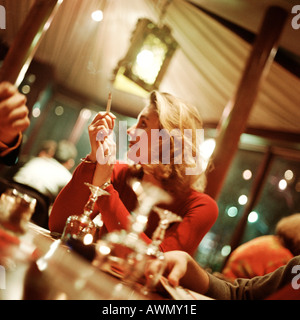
[163,149]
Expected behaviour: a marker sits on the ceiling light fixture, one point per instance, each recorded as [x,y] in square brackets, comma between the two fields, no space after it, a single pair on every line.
[147,59]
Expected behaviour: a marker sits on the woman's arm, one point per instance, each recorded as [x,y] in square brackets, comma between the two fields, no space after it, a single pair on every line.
[72,198]
[75,194]
[200,215]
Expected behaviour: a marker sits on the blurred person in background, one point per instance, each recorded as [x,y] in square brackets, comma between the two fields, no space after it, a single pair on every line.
[44,176]
[47,149]
[265,254]
[49,174]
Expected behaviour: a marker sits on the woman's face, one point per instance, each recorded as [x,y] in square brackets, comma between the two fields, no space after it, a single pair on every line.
[140,136]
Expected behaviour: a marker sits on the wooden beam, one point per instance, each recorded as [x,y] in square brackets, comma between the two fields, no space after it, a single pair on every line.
[270,134]
[27,40]
[236,113]
[254,196]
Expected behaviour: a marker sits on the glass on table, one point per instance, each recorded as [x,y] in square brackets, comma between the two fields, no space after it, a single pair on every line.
[16,209]
[82,227]
[16,247]
[122,252]
[153,253]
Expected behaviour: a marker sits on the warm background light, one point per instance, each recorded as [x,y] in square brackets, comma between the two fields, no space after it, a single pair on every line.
[97,15]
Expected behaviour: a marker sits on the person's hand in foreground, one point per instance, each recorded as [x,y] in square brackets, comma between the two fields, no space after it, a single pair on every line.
[13,113]
[182,269]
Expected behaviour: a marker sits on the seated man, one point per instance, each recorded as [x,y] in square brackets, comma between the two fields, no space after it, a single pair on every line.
[49,175]
[265,254]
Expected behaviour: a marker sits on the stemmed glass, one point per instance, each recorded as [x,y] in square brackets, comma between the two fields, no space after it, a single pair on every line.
[166,218]
[122,252]
[153,253]
[16,209]
[81,227]
[78,228]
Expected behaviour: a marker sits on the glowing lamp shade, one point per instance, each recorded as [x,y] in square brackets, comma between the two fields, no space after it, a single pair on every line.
[147,59]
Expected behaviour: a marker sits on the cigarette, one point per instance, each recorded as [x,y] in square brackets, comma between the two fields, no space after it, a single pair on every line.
[108,106]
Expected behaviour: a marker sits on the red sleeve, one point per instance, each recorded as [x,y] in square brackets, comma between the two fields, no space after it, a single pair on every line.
[72,198]
[199,214]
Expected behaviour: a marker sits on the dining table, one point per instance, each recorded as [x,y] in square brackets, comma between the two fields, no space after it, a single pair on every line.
[36,265]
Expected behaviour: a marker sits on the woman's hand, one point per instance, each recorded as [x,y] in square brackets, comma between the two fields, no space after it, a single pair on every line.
[99,130]
[103,146]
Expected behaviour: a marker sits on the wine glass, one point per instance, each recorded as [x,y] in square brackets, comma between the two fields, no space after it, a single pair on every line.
[16,209]
[153,253]
[122,252]
[166,218]
[81,227]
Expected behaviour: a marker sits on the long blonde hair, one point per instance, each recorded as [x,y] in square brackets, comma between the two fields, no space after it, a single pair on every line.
[175,114]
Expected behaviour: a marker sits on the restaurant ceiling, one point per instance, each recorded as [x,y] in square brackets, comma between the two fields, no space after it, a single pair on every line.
[205,70]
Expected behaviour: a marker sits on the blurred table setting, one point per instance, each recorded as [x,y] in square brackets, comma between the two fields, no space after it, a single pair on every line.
[36,264]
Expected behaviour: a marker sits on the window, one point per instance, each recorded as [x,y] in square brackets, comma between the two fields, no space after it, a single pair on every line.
[279,196]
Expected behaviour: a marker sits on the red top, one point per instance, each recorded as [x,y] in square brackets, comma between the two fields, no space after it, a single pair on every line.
[198,210]
[257,257]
